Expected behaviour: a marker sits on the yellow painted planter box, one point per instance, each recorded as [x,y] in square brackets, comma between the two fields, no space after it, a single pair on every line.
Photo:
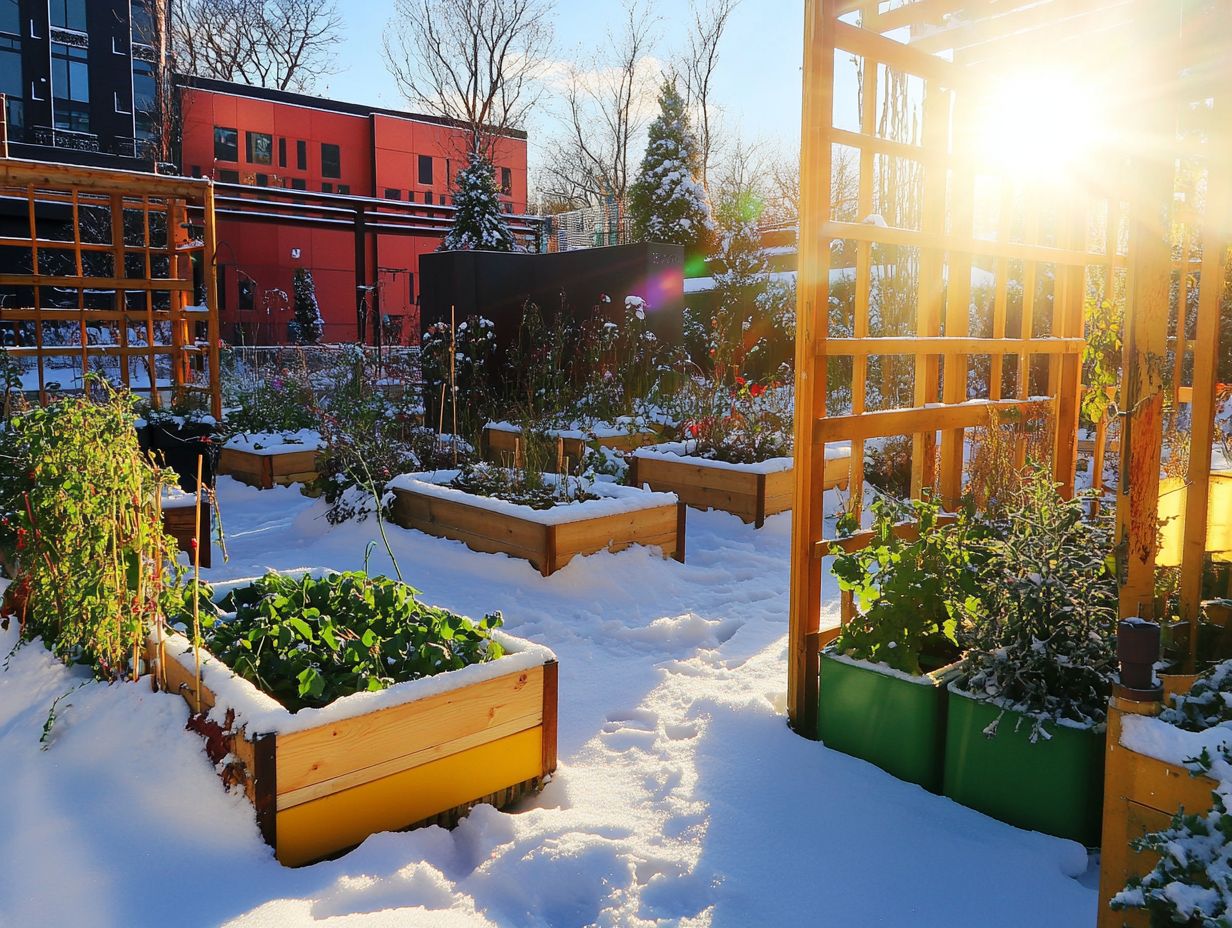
[752,491]
[549,539]
[1141,794]
[323,782]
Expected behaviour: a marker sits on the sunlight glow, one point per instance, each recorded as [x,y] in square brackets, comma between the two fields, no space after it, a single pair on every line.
[1042,124]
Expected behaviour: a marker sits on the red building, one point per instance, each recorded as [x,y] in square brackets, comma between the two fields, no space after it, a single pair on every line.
[266,138]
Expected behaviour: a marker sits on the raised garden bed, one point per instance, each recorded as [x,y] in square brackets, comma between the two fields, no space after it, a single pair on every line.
[548,538]
[268,460]
[1053,785]
[180,522]
[886,717]
[502,442]
[750,491]
[420,752]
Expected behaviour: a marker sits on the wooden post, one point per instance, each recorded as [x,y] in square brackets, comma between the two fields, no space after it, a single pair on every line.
[812,302]
[1148,307]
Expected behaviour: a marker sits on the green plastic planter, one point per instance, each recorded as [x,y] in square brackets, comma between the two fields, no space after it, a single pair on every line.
[1055,786]
[896,723]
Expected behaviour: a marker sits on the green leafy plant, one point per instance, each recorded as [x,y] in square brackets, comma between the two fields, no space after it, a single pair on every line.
[1101,358]
[749,423]
[307,641]
[913,594]
[1042,639]
[80,506]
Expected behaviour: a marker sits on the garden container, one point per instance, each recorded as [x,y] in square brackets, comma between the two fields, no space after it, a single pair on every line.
[548,538]
[1054,785]
[750,491]
[502,442]
[178,445]
[888,718]
[268,460]
[421,752]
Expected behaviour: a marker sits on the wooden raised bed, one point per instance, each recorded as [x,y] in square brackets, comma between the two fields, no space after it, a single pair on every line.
[279,464]
[180,522]
[1141,794]
[503,445]
[549,539]
[750,491]
[321,789]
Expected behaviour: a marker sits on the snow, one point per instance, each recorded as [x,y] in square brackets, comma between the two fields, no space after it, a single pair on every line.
[614,499]
[624,425]
[270,443]
[1156,738]
[683,450]
[681,799]
[979,277]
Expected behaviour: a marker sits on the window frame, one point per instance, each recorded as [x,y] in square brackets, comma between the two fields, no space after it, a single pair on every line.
[234,146]
[425,160]
[251,154]
[328,163]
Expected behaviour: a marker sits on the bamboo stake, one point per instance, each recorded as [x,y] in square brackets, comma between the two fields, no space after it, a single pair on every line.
[196,551]
[453,383]
[160,677]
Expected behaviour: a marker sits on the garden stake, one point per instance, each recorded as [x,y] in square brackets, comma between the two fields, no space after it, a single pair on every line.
[160,678]
[196,550]
[453,384]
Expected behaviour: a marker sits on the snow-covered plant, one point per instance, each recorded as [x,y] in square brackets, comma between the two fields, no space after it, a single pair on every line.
[667,203]
[284,401]
[913,594]
[523,485]
[307,641]
[537,370]
[749,423]
[1042,641]
[1192,882]
[740,285]
[617,366]
[80,505]
[478,221]
[474,354]
[306,326]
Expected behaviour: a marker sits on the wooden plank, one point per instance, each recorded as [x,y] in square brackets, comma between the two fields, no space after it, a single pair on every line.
[320,757]
[651,527]
[46,174]
[95,283]
[947,344]
[874,47]
[887,422]
[551,712]
[435,515]
[311,830]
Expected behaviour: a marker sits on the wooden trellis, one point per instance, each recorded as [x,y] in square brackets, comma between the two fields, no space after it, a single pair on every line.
[1106,231]
[97,265]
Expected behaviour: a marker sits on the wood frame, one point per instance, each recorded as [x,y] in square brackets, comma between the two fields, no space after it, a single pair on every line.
[180,522]
[134,202]
[502,446]
[548,547]
[320,791]
[266,471]
[956,49]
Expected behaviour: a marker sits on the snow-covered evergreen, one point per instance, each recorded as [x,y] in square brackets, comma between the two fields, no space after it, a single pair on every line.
[479,223]
[667,203]
[307,326]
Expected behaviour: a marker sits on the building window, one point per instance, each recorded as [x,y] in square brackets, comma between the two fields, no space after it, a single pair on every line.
[226,144]
[70,87]
[11,83]
[143,22]
[507,182]
[262,180]
[298,183]
[228,177]
[344,189]
[391,194]
[248,293]
[327,188]
[196,170]
[410,196]
[301,155]
[145,100]
[10,17]
[425,169]
[427,196]
[69,14]
[331,160]
[259,147]
[282,153]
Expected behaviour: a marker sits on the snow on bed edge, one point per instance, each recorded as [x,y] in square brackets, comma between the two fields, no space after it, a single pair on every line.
[682,450]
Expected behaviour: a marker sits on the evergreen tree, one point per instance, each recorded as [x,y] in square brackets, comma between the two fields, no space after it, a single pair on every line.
[667,203]
[478,223]
[740,280]
[307,326]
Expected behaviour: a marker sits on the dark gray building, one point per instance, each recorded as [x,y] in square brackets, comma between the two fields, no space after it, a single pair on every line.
[80,78]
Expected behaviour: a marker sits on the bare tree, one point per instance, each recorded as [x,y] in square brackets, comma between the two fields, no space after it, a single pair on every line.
[740,187]
[476,62]
[606,107]
[282,44]
[709,24]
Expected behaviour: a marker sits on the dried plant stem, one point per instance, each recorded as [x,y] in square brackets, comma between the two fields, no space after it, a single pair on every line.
[197,588]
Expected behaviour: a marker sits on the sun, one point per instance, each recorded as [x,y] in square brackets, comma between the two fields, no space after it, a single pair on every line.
[1042,124]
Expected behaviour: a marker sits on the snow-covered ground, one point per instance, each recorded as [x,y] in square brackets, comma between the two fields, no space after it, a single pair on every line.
[681,799]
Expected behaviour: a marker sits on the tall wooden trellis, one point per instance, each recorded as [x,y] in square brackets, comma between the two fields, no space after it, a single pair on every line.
[1147,227]
[96,266]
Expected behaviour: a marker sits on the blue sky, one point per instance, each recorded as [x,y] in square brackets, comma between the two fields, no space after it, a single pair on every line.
[757,84]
